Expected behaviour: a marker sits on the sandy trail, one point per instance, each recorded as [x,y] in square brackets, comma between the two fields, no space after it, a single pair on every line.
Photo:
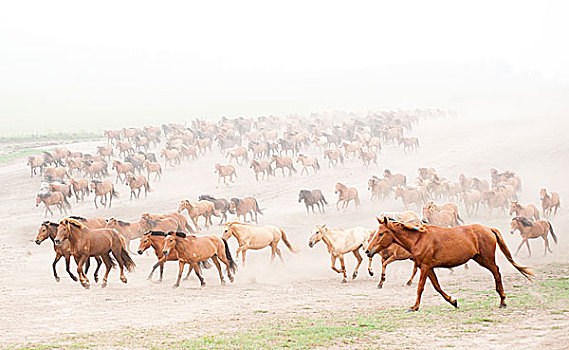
[35,307]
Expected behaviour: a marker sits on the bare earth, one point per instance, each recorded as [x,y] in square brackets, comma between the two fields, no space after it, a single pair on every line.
[35,308]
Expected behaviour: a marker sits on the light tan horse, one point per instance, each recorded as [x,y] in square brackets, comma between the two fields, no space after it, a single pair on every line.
[223,171]
[56,173]
[153,168]
[80,188]
[261,167]
[334,156]
[340,242]
[200,208]
[444,216]
[410,196]
[180,219]
[282,163]
[166,224]
[345,195]
[136,183]
[529,230]
[125,147]
[529,212]
[256,237]
[409,144]
[122,169]
[395,179]
[128,230]
[351,148]
[193,250]
[368,157]
[53,198]
[380,188]
[548,203]
[103,189]
[308,162]
[238,152]
[171,156]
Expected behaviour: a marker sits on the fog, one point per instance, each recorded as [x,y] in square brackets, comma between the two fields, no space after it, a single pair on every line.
[69,65]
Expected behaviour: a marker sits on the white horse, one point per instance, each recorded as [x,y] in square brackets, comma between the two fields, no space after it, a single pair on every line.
[340,242]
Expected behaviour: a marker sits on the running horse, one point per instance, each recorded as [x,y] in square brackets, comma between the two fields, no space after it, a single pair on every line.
[53,198]
[432,246]
[242,207]
[345,195]
[529,230]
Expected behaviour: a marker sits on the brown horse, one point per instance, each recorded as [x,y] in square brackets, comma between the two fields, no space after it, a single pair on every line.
[432,246]
[95,169]
[59,187]
[312,197]
[165,224]
[242,207]
[87,242]
[35,163]
[529,230]
[409,144]
[105,151]
[394,179]
[103,189]
[256,237]
[128,230]
[238,152]
[136,183]
[125,147]
[308,162]
[368,157]
[380,188]
[49,229]
[55,173]
[196,209]
[529,212]
[180,219]
[192,250]
[122,169]
[282,163]
[151,168]
[261,167]
[444,216]
[410,196]
[548,203]
[334,156]
[345,195]
[223,171]
[53,198]
[80,188]
[171,156]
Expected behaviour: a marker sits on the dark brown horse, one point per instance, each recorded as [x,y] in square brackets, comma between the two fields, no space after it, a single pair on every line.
[432,246]
[87,242]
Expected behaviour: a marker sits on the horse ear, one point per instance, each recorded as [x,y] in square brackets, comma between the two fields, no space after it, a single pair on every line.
[385,220]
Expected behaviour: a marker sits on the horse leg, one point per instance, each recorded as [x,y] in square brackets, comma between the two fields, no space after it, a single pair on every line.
[495,270]
[420,289]
[95,200]
[333,266]
[341,258]
[337,204]
[153,268]
[57,257]
[180,270]
[435,282]
[546,243]
[369,269]
[384,264]
[359,257]
[117,249]
[410,282]
[527,244]
[520,246]
[67,258]
[82,276]
[273,247]
[108,265]
[279,254]
[196,268]
[96,274]
[216,262]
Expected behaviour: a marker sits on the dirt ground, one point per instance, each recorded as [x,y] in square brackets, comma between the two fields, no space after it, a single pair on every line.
[36,308]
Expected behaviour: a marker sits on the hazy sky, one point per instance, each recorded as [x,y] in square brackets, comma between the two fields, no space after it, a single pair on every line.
[108,63]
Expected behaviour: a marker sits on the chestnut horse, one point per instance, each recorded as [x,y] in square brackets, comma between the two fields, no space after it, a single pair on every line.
[529,230]
[242,207]
[192,250]
[103,189]
[53,198]
[432,246]
[80,188]
[87,242]
[136,183]
[261,167]
[340,242]
[256,237]
[346,195]
[223,171]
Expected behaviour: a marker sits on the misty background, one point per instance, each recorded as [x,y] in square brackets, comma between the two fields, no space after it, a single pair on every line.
[66,65]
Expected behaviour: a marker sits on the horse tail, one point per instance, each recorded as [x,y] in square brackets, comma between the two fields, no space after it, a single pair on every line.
[232,264]
[525,271]
[111,261]
[324,199]
[459,218]
[357,199]
[287,243]
[257,208]
[127,260]
[114,193]
[552,234]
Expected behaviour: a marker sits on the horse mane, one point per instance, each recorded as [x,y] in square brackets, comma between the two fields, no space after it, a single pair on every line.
[236,200]
[123,223]
[44,195]
[180,234]
[206,197]
[71,222]
[525,222]
[150,222]
[80,218]
[155,233]
[96,181]
[49,223]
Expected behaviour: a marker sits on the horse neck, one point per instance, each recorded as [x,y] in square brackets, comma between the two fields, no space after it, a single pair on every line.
[182,248]
[74,236]
[237,234]
[330,238]
[405,238]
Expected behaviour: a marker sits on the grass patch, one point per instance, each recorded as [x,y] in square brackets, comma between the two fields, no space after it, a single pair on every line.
[50,135]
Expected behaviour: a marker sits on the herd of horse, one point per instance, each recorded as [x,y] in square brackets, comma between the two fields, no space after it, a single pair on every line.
[437,238]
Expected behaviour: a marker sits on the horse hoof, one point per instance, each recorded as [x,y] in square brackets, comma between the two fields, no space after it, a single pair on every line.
[379,286]
[222,282]
[104,285]
[454,303]
[344,281]
[231,279]
[96,279]
[123,279]
[502,306]
[411,309]
[74,278]
[86,286]
[370,273]
[57,279]
[203,284]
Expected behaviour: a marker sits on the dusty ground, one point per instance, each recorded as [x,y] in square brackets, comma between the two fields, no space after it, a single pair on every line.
[35,308]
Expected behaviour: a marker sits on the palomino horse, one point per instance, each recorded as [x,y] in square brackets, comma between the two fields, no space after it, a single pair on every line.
[53,198]
[529,230]
[334,156]
[282,163]
[308,162]
[261,167]
[221,205]
[103,189]
[192,250]
[549,202]
[256,237]
[223,171]
[156,239]
[432,246]
[529,212]
[136,183]
[345,195]
[242,207]
[340,242]
[196,209]
[49,229]
[87,242]
[312,197]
